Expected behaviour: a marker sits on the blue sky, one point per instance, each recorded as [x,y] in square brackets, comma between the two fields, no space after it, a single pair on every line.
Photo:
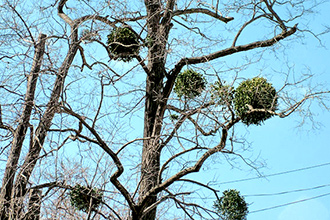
[285,146]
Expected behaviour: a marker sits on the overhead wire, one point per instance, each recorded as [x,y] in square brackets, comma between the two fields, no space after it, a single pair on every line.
[276,174]
[284,192]
[281,193]
[287,192]
[290,203]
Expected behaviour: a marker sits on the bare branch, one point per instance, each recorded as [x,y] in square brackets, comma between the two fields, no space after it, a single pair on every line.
[103,145]
[197,165]
[61,13]
[25,24]
[294,107]
[84,62]
[232,50]
[281,23]
[203,11]
[19,134]
[131,142]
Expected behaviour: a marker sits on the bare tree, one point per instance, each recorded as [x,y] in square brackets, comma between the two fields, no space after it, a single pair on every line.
[96,69]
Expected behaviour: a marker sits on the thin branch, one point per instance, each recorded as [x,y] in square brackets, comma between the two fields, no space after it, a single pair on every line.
[100,103]
[142,63]
[84,62]
[164,166]
[130,142]
[232,50]
[197,165]
[203,11]
[244,26]
[21,18]
[280,21]
[104,146]
[3,126]
[203,185]
[290,110]
[185,115]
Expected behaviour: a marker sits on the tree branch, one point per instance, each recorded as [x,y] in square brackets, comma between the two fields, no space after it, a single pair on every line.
[104,146]
[62,15]
[291,109]
[241,48]
[20,132]
[203,11]
[280,21]
[197,165]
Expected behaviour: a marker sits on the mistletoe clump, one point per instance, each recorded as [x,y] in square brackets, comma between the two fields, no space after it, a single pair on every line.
[231,206]
[85,198]
[189,84]
[88,36]
[123,44]
[254,100]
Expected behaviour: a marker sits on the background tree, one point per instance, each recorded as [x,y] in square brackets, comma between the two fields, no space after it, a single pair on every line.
[74,99]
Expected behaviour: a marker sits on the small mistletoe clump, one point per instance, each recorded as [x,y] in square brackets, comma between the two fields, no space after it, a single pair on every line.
[88,36]
[84,198]
[257,94]
[174,117]
[231,206]
[222,94]
[189,84]
[123,44]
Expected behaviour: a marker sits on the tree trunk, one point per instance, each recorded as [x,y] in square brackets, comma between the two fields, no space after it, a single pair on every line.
[19,190]
[33,212]
[20,132]
[150,164]
[158,29]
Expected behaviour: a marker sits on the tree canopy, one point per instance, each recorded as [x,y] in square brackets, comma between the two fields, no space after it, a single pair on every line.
[108,108]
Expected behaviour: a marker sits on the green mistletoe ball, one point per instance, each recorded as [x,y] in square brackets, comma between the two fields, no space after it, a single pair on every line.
[85,198]
[189,84]
[255,94]
[123,44]
[231,206]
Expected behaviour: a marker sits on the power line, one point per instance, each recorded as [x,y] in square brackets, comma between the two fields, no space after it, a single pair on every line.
[290,203]
[276,194]
[277,174]
[286,192]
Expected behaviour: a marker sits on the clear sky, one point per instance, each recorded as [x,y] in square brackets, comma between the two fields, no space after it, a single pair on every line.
[304,193]
[283,146]
[296,182]
[286,148]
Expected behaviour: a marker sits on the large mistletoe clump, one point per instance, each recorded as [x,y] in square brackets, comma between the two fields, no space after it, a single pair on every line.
[231,206]
[189,84]
[123,44]
[85,198]
[255,100]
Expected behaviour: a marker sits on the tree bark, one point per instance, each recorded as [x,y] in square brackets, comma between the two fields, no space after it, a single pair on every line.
[150,164]
[159,26]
